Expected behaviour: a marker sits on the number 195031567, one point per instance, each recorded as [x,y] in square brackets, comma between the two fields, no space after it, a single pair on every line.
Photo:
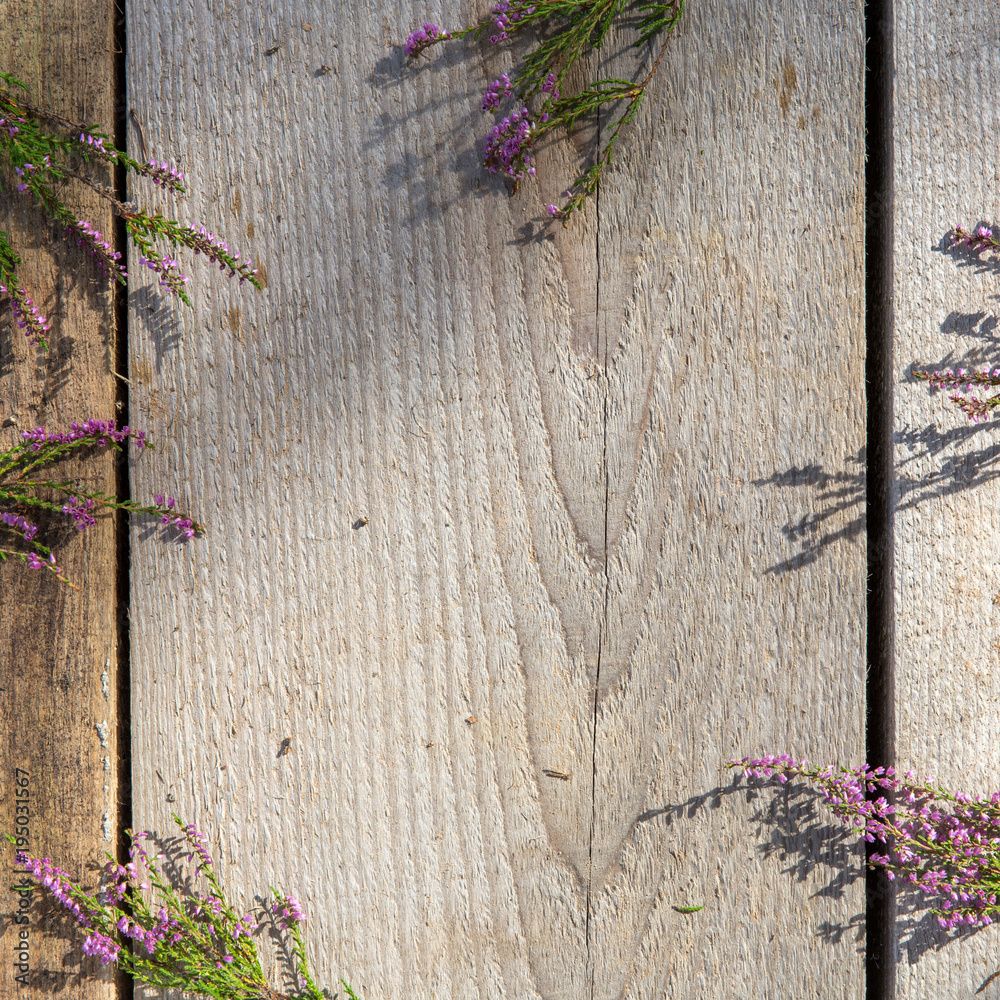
[22,807]
[22,826]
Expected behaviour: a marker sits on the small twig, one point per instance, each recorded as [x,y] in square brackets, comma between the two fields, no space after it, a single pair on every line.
[988,981]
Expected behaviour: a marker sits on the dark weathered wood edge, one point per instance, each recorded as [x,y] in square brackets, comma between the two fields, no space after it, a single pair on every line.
[59,648]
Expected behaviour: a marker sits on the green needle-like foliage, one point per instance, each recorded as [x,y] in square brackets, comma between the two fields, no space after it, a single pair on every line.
[26,489]
[172,933]
[46,152]
[564,31]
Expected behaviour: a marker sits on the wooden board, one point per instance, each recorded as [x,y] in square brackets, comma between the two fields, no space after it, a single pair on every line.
[485,509]
[948,687]
[59,647]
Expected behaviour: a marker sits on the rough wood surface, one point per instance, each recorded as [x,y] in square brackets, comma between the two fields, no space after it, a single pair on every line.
[948,587]
[59,647]
[516,535]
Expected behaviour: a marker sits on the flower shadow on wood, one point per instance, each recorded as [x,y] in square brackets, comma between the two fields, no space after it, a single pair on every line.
[793,826]
[840,499]
[940,462]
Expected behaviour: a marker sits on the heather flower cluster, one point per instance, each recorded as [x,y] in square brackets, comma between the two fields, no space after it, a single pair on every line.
[26,314]
[565,30]
[946,845]
[960,383]
[287,910]
[165,176]
[982,239]
[423,38]
[46,152]
[108,260]
[174,934]
[498,90]
[27,486]
[506,17]
[509,145]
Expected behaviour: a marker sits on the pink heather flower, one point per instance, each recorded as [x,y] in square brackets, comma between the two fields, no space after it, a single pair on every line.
[287,910]
[8,124]
[981,239]
[108,260]
[101,430]
[26,314]
[163,175]
[497,90]
[26,170]
[93,142]
[508,146]
[17,523]
[194,835]
[80,510]
[218,252]
[54,879]
[186,528]
[101,946]
[169,271]
[505,15]
[942,844]
[34,561]
[423,38]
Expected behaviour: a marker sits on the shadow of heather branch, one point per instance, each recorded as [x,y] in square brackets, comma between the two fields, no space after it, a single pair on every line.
[157,319]
[967,258]
[794,825]
[843,491]
[836,493]
[282,943]
[967,455]
[75,273]
[461,146]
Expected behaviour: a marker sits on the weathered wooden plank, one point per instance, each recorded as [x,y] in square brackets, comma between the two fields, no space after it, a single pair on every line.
[733,325]
[59,647]
[485,509]
[948,690]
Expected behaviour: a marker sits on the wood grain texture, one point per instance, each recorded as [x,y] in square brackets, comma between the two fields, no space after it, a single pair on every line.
[948,689]
[58,646]
[490,504]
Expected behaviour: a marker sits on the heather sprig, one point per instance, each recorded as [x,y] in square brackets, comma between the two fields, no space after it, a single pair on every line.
[26,487]
[173,934]
[961,382]
[26,314]
[45,152]
[945,844]
[564,30]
